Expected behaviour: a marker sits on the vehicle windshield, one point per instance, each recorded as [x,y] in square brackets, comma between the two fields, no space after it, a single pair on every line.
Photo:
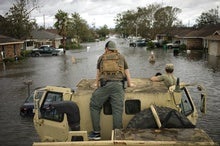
[30,99]
[186,103]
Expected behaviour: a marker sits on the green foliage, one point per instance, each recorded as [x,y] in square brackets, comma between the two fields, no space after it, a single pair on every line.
[182,47]
[147,21]
[73,27]
[150,45]
[25,53]
[207,18]
[61,23]
[103,31]
[72,46]
[17,22]
[9,59]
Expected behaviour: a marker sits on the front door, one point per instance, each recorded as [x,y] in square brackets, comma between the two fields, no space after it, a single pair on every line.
[50,125]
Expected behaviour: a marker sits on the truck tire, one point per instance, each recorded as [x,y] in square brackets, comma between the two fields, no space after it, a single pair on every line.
[37,54]
[169,118]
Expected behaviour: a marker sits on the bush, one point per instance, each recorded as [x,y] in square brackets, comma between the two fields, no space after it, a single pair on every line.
[182,47]
[150,45]
[9,59]
[25,53]
[73,45]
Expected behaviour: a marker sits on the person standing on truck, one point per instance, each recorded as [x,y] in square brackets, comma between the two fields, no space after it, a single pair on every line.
[112,71]
[168,78]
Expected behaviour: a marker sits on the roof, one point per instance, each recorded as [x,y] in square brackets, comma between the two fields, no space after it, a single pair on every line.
[215,36]
[203,32]
[55,31]
[186,32]
[143,85]
[5,40]
[42,34]
[180,31]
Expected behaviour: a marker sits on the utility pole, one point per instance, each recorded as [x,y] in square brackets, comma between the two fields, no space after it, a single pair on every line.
[44,20]
[136,29]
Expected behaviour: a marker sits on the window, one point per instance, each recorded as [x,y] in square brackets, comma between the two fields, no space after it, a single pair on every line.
[186,104]
[51,113]
[132,106]
[30,43]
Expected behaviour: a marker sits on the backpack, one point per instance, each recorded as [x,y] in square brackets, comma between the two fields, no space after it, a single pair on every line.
[112,66]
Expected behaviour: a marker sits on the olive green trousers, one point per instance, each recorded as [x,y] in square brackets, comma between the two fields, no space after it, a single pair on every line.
[114,92]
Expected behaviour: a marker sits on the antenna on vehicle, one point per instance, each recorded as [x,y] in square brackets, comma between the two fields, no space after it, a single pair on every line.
[177,88]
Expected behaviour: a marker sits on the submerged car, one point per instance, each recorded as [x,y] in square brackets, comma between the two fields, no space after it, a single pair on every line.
[175,44]
[138,43]
[27,108]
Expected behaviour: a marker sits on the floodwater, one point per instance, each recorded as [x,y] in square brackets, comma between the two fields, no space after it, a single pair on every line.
[59,70]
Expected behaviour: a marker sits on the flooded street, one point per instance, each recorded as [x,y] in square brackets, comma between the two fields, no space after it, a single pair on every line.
[60,71]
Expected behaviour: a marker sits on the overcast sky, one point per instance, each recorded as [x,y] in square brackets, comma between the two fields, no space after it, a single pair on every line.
[101,12]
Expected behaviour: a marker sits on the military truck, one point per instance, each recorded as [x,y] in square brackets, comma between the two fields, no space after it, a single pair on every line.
[153,115]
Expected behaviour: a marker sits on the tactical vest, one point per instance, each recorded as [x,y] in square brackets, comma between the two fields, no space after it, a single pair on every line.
[112,67]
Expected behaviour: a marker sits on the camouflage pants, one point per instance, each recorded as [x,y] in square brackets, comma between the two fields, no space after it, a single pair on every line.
[115,93]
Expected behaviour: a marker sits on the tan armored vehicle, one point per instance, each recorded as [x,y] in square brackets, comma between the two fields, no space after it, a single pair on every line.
[153,115]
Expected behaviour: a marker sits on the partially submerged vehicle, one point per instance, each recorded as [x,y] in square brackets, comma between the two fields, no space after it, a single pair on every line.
[153,115]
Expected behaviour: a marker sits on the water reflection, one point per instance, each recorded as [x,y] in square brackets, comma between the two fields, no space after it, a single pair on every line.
[194,55]
[213,63]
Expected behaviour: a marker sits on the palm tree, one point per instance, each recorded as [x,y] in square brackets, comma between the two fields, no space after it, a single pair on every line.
[61,26]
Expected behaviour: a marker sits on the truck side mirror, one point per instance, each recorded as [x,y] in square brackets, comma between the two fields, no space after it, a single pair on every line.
[203,99]
[203,103]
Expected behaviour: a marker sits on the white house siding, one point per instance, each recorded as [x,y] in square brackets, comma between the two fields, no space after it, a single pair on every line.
[214,48]
[57,43]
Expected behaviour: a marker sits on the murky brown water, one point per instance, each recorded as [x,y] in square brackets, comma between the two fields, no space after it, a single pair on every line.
[59,70]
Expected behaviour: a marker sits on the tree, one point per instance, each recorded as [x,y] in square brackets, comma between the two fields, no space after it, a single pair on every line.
[147,21]
[79,29]
[17,22]
[61,26]
[103,31]
[166,18]
[125,22]
[207,18]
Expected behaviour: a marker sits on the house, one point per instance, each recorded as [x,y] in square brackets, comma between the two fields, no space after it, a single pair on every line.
[10,47]
[179,33]
[196,38]
[213,42]
[173,35]
[42,37]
